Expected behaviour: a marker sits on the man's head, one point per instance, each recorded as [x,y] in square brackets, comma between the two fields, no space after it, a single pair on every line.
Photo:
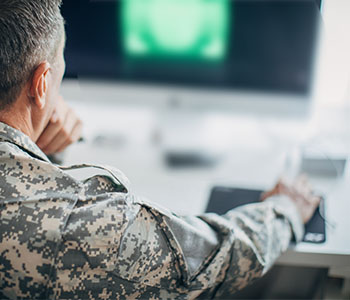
[31,63]
[31,33]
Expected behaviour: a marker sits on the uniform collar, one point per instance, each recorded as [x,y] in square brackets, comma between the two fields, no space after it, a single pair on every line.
[11,135]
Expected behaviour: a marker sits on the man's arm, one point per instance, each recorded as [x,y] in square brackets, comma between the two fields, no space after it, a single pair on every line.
[223,254]
[146,251]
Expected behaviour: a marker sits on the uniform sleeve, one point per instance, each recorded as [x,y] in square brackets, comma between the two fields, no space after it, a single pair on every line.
[135,249]
[225,253]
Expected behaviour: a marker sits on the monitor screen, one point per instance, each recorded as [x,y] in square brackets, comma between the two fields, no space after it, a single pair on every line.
[170,30]
[263,45]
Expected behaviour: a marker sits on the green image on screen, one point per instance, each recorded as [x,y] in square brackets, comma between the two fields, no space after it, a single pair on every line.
[190,29]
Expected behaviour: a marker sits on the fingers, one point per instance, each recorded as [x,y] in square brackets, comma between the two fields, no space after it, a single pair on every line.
[315,200]
[63,129]
[301,194]
[49,133]
[300,188]
[73,137]
[303,186]
[68,133]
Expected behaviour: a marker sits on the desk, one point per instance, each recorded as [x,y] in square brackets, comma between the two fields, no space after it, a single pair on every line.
[130,144]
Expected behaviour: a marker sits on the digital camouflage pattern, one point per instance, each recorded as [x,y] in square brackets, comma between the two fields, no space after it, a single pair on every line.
[93,239]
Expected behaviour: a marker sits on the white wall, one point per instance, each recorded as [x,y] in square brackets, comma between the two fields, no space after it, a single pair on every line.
[333,83]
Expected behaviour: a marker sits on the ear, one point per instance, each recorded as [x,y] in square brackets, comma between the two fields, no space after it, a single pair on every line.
[39,84]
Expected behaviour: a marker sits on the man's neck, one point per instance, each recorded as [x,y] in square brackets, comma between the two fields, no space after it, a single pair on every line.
[19,116]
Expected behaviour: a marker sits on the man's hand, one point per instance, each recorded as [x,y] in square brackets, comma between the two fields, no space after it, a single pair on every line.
[63,129]
[300,193]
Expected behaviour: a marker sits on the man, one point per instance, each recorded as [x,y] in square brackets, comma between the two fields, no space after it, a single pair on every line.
[94,239]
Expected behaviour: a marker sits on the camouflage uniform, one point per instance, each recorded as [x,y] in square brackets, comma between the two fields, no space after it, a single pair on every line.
[93,239]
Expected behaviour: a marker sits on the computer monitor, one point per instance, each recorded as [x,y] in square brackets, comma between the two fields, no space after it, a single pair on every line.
[203,57]
[230,46]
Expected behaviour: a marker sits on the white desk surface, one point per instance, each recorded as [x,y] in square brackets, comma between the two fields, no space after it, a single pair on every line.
[252,162]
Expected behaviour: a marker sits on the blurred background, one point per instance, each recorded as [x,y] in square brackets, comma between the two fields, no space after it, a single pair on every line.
[195,60]
[186,95]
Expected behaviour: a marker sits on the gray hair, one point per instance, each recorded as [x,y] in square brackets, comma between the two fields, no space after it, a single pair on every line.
[30,32]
